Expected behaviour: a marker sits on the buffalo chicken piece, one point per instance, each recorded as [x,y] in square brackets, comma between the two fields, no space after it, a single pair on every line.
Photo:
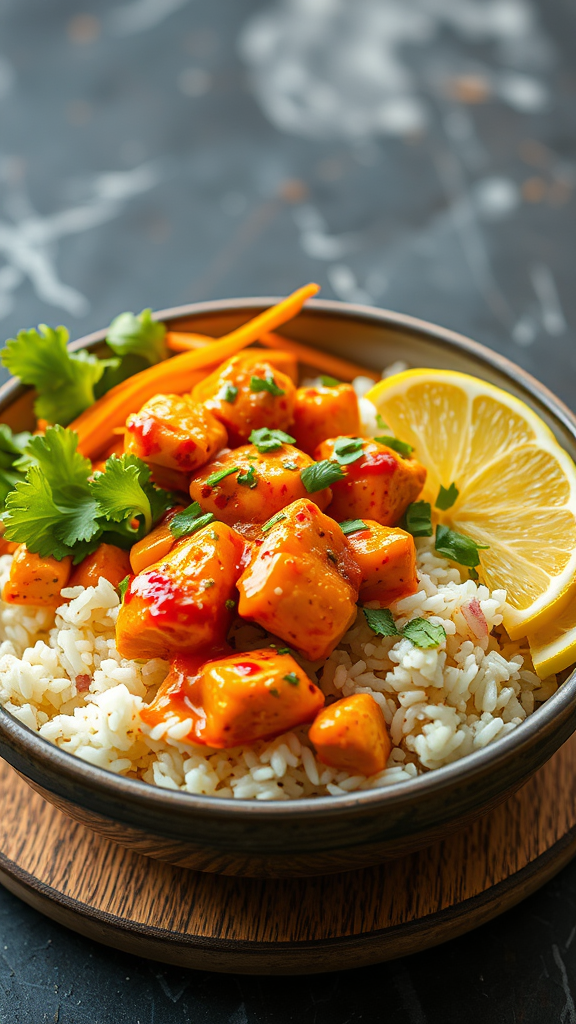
[173,432]
[249,392]
[351,735]
[303,583]
[236,699]
[322,412]
[184,601]
[247,486]
[379,483]
[387,559]
[36,581]
[109,561]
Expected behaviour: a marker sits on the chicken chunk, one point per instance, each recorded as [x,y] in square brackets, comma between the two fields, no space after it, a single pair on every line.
[387,559]
[173,432]
[351,735]
[246,486]
[322,412]
[236,699]
[36,581]
[302,584]
[247,393]
[183,602]
[109,561]
[154,545]
[379,484]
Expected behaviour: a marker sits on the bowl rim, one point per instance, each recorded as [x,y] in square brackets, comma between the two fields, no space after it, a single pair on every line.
[442,779]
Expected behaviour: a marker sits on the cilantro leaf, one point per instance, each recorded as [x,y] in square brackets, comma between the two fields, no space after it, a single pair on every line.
[446,497]
[123,587]
[291,678]
[266,384]
[273,521]
[348,449]
[249,478]
[270,440]
[12,447]
[220,474]
[290,465]
[352,526]
[48,523]
[120,491]
[229,394]
[423,633]
[189,521]
[381,621]
[320,475]
[138,335]
[402,447]
[456,546]
[329,382]
[418,519]
[380,422]
[63,380]
[57,455]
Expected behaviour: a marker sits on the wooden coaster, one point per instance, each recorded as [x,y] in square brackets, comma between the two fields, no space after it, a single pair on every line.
[287,926]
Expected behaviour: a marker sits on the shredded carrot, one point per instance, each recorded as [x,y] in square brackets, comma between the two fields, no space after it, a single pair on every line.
[332,366]
[179,374]
[179,341]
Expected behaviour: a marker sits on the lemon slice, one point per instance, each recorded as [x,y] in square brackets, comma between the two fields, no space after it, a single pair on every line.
[554,648]
[517,486]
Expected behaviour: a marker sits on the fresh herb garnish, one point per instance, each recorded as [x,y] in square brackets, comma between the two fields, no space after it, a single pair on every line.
[282,650]
[348,449]
[64,380]
[472,574]
[418,519]
[138,335]
[229,393]
[249,478]
[402,447]
[423,633]
[266,384]
[320,475]
[190,520]
[274,691]
[329,382]
[446,497]
[290,465]
[270,440]
[456,546]
[272,521]
[13,461]
[123,587]
[291,678]
[209,583]
[220,474]
[229,604]
[58,510]
[380,422]
[381,621]
[352,526]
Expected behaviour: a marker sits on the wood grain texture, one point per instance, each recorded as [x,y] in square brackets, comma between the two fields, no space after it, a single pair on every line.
[287,925]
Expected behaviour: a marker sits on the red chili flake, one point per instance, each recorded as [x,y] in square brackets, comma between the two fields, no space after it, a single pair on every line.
[83,683]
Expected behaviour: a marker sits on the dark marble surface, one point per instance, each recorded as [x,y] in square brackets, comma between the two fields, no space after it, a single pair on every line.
[405,153]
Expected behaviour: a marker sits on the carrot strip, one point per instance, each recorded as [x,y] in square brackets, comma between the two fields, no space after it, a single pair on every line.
[332,366]
[179,374]
[178,341]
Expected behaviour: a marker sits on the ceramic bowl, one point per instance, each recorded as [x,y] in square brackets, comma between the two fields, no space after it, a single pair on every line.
[328,834]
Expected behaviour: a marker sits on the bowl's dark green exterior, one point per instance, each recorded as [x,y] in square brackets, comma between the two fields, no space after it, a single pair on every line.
[327,834]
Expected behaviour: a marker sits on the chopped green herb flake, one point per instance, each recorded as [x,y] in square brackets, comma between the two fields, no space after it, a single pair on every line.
[272,521]
[380,423]
[290,465]
[266,384]
[381,621]
[190,520]
[352,526]
[456,546]
[419,519]
[423,633]
[214,535]
[138,335]
[270,440]
[472,574]
[229,604]
[282,650]
[329,382]
[320,475]
[249,478]
[229,393]
[403,449]
[348,449]
[274,691]
[291,678]
[123,587]
[220,474]
[446,497]
[209,583]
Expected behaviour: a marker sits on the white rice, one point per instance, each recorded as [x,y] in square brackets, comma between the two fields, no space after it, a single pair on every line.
[439,704]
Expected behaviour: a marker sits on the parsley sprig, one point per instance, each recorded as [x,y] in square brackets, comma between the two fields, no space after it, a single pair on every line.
[421,632]
[320,475]
[270,440]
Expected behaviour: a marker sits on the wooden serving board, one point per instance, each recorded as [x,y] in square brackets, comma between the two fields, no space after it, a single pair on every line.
[287,926]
